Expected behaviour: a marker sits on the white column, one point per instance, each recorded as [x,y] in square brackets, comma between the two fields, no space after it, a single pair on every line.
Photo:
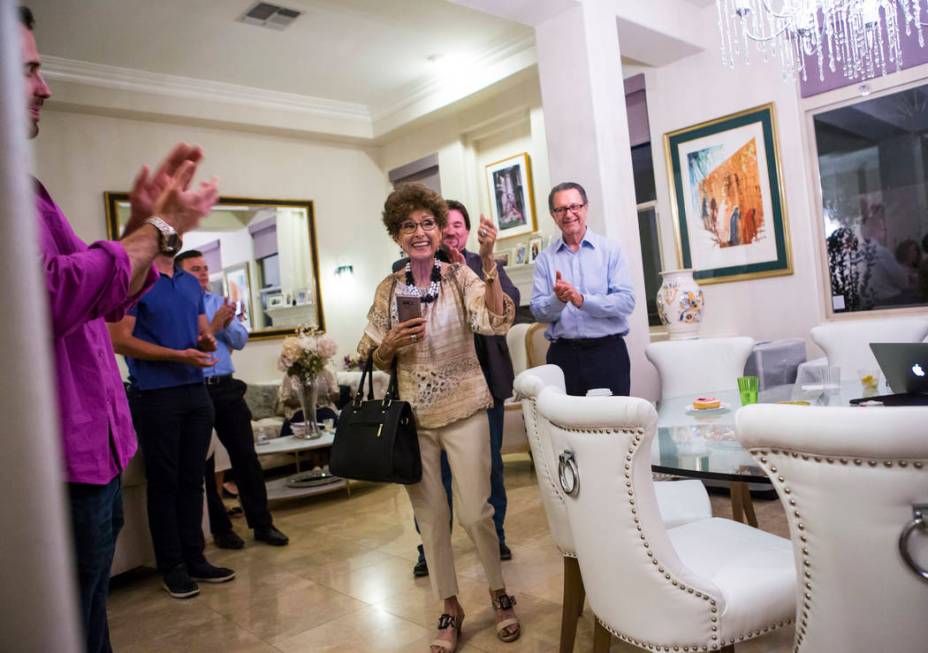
[579,65]
[38,604]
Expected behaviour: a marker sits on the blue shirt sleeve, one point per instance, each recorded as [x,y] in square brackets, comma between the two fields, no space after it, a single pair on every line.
[545,305]
[619,301]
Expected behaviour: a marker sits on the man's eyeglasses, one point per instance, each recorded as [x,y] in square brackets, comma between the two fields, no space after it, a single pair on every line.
[409,227]
[561,211]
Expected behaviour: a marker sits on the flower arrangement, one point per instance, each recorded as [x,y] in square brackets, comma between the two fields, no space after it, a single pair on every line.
[352,362]
[306,354]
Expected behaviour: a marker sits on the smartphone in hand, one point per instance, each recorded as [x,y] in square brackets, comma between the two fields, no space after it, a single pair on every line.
[408,307]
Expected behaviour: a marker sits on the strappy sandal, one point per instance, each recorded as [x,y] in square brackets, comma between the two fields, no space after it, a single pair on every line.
[505,602]
[446,621]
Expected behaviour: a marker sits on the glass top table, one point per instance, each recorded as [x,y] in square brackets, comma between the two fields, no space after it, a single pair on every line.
[703,444]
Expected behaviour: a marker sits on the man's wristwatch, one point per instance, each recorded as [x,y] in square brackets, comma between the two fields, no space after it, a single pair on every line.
[169,243]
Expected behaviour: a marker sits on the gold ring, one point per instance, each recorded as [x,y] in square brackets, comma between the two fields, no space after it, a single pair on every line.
[414,337]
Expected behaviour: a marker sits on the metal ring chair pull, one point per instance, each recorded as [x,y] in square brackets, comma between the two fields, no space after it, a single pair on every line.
[567,473]
[918,523]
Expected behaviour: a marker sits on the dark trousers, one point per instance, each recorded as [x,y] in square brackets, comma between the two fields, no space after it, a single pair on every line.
[233,427]
[96,519]
[174,426]
[593,363]
[495,415]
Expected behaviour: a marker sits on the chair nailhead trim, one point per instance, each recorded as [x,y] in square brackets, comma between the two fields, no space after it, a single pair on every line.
[770,469]
[713,604]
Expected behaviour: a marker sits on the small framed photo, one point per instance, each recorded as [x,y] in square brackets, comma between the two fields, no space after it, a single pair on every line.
[521,254]
[504,257]
[302,297]
[512,204]
[535,245]
[275,301]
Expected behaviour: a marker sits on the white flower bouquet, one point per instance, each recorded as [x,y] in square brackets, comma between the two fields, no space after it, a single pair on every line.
[306,354]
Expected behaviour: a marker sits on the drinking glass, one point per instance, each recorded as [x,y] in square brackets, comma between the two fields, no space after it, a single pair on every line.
[747,388]
[869,381]
[831,379]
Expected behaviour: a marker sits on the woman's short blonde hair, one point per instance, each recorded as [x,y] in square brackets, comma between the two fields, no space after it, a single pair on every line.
[412,197]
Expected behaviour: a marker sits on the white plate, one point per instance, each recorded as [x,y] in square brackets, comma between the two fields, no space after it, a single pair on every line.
[723,407]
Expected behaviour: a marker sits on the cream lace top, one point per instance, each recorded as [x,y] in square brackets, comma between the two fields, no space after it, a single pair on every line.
[440,375]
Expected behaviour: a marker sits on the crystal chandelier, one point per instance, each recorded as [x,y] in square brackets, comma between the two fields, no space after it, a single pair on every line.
[858,38]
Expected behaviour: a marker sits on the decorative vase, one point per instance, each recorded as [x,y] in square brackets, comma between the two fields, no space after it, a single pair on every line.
[308,397]
[680,304]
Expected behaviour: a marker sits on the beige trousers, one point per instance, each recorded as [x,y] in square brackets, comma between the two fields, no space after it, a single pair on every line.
[467,445]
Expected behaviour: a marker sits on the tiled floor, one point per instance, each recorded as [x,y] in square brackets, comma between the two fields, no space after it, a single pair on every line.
[345,584]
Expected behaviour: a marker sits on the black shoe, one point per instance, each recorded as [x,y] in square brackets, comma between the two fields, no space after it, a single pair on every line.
[272,536]
[421,569]
[504,552]
[207,573]
[177,583]
[228,540]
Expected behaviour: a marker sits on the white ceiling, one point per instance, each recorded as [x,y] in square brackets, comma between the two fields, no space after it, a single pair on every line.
[349,68]
[359,51]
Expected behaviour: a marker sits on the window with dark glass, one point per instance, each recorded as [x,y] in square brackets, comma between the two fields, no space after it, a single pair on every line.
[872,161]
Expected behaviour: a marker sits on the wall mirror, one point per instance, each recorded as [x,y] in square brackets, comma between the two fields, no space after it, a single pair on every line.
[262,254]
[872,161]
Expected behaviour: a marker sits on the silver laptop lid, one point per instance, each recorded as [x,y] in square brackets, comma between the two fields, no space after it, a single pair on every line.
[904,364]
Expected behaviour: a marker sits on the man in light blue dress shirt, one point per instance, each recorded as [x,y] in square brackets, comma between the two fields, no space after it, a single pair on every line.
[583,290]
[233,421]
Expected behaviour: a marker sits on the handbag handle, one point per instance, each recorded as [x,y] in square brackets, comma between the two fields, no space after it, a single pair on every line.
[368,373]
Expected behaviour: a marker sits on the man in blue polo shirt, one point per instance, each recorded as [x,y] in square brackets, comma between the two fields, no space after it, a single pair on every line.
[232,420]
[166,341]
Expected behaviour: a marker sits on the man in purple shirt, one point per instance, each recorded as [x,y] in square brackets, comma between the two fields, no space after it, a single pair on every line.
[86,286]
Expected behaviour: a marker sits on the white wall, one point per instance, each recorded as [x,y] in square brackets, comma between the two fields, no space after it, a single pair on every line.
[79,156]
[697,89]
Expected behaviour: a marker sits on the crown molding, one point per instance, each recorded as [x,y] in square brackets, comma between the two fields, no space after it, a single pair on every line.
[140,81]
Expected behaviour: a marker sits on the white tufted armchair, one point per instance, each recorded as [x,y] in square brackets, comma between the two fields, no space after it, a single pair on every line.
[693,367]
[679,502]
[848,478]
[702,586]
[846,343]
[699,367]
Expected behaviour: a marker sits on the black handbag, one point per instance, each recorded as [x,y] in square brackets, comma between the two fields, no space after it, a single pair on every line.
[376,439]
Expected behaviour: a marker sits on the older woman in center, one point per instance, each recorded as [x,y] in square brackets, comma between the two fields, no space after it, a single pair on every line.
[440,376]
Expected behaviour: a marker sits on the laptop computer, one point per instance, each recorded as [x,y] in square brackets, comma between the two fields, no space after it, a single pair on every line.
[905,366]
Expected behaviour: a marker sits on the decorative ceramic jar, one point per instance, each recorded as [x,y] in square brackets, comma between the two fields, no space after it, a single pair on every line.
[680,304]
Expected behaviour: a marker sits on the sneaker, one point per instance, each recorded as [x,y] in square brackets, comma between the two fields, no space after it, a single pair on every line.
[228,540]
[421,569]
[505,553]
[177,583]
[207,573]
[272,536]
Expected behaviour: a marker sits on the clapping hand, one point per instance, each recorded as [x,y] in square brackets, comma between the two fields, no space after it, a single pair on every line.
[206,342]
[454,255]
[184,209]
[147,188]
[223,316]
[486,236]
[566,292]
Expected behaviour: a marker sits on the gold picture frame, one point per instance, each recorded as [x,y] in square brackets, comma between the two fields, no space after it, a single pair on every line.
[511,194]
[116,205]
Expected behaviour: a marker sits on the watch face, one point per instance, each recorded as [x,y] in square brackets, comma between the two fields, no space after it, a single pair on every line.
[172,244]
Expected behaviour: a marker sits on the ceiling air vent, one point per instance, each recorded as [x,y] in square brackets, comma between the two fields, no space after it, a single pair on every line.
[265,14]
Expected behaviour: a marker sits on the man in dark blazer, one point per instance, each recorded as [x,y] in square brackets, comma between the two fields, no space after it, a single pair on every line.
[493,354]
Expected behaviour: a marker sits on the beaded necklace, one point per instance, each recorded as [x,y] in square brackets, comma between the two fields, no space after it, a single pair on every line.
[432,293]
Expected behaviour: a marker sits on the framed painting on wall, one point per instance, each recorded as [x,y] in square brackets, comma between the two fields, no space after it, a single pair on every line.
[727,196]
[238,290]
[512,204]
